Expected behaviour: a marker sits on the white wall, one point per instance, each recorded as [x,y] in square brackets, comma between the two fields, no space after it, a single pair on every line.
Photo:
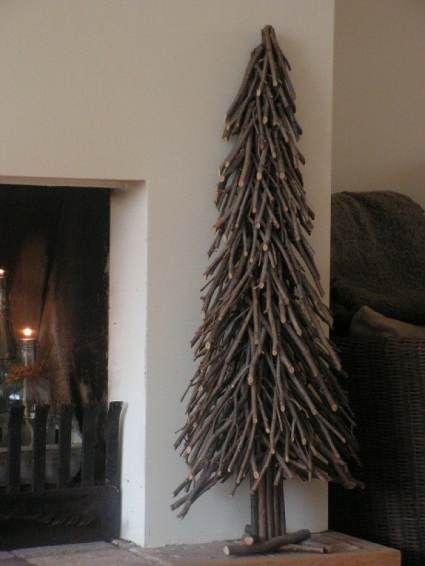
[138,90]
[379,89]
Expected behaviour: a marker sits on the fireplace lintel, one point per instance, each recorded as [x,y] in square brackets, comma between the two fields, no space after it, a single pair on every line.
[70,182]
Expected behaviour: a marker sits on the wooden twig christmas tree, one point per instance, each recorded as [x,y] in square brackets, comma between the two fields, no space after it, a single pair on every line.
[266,402]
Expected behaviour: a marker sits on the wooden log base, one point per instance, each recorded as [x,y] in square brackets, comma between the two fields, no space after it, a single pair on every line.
[249,540]
[271,545]
[307,545]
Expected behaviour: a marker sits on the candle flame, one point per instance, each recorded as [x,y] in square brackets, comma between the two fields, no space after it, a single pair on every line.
[28,332]
[2,272]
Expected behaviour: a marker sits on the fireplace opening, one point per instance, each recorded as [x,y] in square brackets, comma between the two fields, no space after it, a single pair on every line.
[43,500]
[54,247]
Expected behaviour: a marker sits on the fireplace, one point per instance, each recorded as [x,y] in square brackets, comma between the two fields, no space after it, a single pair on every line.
[105,296]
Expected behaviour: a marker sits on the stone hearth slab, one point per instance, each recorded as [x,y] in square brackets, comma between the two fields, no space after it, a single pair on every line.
[86,554]
[8,559]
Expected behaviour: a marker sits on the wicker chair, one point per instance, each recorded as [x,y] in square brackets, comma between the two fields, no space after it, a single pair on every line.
[387,389]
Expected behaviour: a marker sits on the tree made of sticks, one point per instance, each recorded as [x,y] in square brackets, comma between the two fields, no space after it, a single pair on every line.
[266,402]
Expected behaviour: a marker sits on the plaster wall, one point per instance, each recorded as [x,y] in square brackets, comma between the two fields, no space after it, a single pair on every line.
[379,94]
[127,89]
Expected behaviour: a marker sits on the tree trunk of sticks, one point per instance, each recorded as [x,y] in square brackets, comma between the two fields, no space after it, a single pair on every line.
[268,517]
[266,401]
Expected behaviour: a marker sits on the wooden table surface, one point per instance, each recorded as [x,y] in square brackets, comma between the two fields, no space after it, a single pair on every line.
[347,551]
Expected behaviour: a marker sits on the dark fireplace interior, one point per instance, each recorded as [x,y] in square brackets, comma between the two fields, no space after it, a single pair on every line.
[54,246]
[59,439]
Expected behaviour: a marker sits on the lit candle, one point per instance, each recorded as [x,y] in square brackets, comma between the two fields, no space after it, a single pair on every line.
[27,346]
[2,273]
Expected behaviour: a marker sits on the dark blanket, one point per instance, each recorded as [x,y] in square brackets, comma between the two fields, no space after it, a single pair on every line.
[378,256]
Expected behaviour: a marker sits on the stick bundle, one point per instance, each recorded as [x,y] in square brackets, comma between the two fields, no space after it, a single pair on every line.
[267,546]
[266,397]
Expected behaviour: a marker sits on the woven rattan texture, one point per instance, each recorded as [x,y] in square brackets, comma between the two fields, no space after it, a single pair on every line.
[387,390]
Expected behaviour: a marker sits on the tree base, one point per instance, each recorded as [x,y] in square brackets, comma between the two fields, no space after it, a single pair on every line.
[251,545]
[267,531]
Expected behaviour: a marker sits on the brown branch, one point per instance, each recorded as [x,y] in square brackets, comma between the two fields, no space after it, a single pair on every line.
[270,545]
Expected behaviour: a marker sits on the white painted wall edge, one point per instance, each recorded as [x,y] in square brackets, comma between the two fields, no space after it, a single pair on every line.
[127,348]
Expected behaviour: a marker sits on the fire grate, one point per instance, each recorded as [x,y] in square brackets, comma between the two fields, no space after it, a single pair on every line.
[76,507]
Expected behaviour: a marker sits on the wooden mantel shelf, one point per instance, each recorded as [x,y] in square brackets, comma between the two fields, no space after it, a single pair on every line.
[349,551]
